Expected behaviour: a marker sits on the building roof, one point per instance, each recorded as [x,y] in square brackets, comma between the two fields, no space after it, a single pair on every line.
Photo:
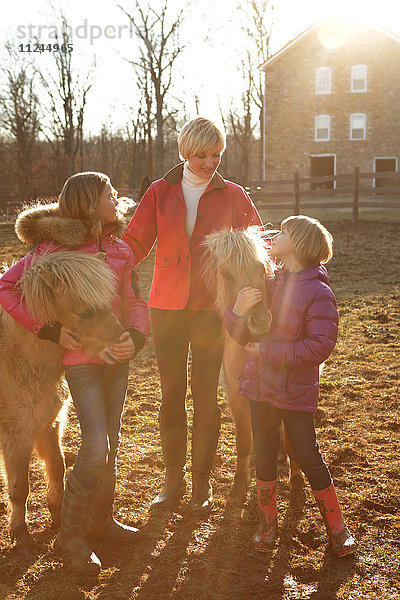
[321,22]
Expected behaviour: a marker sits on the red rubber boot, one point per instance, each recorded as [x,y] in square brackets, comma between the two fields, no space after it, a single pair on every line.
[267,533]
[342,542]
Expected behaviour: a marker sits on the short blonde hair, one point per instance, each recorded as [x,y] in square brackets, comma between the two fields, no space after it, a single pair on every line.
[79,198]
[200,135]
[312,242]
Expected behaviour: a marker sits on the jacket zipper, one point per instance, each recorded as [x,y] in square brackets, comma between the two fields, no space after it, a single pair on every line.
[285,381]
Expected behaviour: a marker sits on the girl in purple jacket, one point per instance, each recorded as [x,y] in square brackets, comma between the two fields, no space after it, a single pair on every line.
[86,219]
[281,372]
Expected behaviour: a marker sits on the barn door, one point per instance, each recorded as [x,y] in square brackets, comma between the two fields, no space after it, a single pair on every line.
[319,166]
[384,165]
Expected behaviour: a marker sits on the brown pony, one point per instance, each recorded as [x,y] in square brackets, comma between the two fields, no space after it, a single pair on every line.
[75,289]
[235,259]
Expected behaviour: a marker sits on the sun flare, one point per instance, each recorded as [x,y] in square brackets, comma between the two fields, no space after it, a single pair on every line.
[350,16]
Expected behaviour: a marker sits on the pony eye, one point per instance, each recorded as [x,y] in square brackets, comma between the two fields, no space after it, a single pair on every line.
[87,314]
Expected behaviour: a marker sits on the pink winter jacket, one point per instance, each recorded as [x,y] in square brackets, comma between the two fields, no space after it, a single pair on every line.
[43,229]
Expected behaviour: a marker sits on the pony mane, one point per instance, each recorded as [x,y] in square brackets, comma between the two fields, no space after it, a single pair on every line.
[59,275]
[240,250]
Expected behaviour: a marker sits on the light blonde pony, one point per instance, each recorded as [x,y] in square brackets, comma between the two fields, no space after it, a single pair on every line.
[79,198]
[67,274]
[200,136]
[236,258]
[312,242]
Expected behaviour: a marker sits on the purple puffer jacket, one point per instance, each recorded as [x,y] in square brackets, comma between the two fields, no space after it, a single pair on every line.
[303,334]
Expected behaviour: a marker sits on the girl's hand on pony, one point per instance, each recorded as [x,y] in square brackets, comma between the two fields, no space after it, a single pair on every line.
[68,339]
[246,299]
[108,357]
[253,348]
[124,349]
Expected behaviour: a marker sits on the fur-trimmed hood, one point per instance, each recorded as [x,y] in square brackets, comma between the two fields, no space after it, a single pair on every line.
[43,222]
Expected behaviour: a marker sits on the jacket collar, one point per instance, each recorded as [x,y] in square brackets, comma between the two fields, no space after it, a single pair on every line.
[43,222]
[174,176]
[309,273]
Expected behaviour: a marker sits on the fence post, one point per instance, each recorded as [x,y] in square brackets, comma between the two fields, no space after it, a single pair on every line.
[356,193]
[296,193]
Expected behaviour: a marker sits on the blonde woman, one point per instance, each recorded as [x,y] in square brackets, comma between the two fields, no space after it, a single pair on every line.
[178,211]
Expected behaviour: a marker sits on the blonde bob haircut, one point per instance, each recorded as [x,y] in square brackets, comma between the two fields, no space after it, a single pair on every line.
[312,242]
[200,136]
[79,198]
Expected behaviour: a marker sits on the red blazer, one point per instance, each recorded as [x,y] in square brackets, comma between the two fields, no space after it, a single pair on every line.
[161,216]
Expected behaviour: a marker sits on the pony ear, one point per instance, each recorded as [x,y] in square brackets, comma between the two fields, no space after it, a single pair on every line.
[101,256]
[38,291]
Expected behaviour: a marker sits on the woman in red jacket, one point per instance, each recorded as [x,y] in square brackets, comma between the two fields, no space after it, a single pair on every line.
[178,211]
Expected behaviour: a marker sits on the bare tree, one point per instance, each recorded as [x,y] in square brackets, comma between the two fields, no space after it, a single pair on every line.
[241,123]
[159,49]
[145,113]
[67,95]
[134,135]
[19,117]
[259,29]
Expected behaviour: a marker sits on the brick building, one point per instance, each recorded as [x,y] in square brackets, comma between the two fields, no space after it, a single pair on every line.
[332,102]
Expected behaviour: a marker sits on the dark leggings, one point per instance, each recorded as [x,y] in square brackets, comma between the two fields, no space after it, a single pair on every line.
[266,420]
[173,331]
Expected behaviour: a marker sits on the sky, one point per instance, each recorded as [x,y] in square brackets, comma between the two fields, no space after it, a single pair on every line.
[212,35]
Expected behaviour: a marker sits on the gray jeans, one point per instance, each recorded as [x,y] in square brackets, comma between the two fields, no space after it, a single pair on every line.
[98,393]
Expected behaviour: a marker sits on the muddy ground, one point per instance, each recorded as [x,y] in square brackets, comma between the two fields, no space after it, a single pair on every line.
[358,429]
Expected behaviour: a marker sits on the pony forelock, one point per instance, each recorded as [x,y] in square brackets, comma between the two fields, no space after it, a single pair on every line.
[236,251]
[53,277]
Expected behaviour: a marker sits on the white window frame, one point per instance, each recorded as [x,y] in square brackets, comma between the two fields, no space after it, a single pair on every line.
[317,139]
[395,158]
[351,127]
[319,70]
[352,79]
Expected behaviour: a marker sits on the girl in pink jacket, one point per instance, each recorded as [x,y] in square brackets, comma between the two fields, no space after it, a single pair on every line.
[86,219]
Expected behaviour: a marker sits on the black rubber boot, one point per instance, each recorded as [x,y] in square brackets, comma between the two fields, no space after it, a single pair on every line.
[71,542]
[204,445]
[173,430]
[102,525]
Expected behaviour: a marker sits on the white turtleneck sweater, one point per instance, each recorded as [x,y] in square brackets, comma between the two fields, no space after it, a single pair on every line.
[193,187]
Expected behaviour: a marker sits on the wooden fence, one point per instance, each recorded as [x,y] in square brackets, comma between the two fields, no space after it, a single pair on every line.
[295,189]
[348,184]
[10,204]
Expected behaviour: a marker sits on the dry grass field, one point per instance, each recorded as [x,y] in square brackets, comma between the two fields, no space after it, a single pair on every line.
[358,428]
